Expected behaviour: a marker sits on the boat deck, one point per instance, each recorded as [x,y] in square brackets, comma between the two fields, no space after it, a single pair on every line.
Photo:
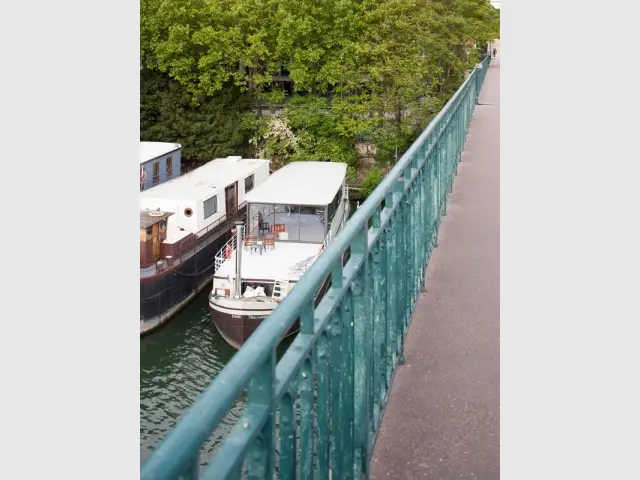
[151,270]
[288,260]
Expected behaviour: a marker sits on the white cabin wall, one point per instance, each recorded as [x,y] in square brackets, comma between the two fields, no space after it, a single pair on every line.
[259,176]
[205,222]
[197,222]
[178,219]
[190,224]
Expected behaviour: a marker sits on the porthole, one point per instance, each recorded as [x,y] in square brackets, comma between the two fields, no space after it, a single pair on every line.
[188,212]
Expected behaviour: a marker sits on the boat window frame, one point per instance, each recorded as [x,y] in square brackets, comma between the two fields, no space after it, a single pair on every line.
[214,209]
[334,206]
[250,215]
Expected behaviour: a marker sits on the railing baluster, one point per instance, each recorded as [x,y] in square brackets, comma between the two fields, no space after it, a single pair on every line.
[436,192]
[261,392]
[347,385]
[379,330]
[428,209]
[417,224]
[370,364]
[411,255]
[306,382]
[237,473]
[360,314]
[324,397]
[307,420]
[288,444]
[390,289]
[338,407]
[417,235]
[398,279]
[441,173]
[193,470]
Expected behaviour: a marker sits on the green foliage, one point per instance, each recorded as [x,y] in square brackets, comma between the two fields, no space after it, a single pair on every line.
[371,181]
[215,128]
[275,140]
[363,70]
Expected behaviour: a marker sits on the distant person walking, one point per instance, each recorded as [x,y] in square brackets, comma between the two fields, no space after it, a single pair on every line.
[494,52]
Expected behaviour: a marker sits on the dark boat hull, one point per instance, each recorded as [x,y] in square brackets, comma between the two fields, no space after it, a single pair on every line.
[236,320]
[236,328]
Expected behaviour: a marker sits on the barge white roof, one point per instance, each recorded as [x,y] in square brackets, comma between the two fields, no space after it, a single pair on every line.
[301,183]
[150,150]
[205,181]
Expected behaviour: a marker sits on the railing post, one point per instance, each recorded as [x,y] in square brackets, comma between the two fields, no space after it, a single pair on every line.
[324,397]
[399,277]
[306,382]
[391,290]
[379,327]
[478,84]
[261,392]
[381,337]
[348,386]
[338,405]
[288,444]
[361,331]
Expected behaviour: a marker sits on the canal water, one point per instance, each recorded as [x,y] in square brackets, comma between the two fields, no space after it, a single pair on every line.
[177,362]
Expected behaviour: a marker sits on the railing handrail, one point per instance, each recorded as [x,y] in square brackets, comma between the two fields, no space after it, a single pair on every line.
[196,426]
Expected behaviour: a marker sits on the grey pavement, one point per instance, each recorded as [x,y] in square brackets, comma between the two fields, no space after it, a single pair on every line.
[443,417]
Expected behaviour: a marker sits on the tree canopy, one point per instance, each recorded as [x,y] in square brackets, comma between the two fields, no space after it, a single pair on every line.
[364,72]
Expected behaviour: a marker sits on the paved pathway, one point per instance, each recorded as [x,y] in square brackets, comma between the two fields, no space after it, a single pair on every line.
[443,417]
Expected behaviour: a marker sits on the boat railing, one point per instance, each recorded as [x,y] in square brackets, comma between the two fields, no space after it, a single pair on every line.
[327,241]
[221,220]
[187,246]
[221,256]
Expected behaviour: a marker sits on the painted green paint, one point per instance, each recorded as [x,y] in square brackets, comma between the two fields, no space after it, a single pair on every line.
[339,369]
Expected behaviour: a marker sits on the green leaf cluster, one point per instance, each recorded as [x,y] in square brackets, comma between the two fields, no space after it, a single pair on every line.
[364,72]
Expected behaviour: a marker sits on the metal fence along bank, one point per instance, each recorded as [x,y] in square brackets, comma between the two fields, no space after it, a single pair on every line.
[316,412]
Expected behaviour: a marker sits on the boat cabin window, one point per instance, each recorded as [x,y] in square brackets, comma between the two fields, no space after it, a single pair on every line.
[312,224]
[156,172]
[292,223]
[210,206]
[248,183]
[333,206]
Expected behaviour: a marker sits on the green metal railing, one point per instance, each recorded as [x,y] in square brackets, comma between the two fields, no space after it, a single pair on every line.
[481,72]
[327,393]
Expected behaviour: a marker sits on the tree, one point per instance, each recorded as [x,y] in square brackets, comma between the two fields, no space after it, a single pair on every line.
[213,129]
[373,71]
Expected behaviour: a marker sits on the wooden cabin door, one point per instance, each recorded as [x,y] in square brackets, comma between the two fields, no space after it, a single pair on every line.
[231,199]
[155,240]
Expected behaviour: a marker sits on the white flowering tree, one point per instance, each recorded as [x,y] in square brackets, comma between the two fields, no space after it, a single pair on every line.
[276,140]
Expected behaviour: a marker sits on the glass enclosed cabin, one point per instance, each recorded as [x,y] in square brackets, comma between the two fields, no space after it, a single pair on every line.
[302,202]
